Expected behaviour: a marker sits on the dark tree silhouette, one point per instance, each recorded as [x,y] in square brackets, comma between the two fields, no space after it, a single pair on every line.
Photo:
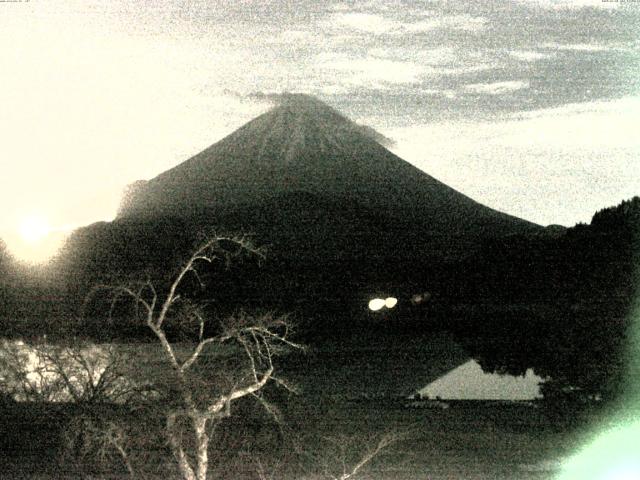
[215,363]
[568,304]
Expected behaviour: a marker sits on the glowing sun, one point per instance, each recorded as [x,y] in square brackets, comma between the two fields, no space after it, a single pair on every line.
[33,240]
[34,229]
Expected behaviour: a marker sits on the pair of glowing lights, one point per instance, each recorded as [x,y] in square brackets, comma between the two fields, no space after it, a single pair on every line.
[380,303]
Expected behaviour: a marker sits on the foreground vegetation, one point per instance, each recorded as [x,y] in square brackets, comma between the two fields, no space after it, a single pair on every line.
[470,440]
[162,409]
[211,400]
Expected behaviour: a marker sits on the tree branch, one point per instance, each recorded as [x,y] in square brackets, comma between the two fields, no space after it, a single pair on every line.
[235,394]
[196,353]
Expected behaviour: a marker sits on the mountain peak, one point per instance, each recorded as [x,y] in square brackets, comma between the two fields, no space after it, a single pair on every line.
[302,101]
[301,109]
[305,145]
[297,101]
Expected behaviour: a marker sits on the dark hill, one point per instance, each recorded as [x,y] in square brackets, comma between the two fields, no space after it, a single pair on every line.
[342,217]
[303,145]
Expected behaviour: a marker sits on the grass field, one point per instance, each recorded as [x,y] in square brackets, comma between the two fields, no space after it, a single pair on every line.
[468,440]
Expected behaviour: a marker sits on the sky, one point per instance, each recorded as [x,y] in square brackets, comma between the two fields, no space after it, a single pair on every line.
[530,107]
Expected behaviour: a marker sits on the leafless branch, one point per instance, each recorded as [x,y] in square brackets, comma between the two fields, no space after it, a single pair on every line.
[258,339]
[196,353]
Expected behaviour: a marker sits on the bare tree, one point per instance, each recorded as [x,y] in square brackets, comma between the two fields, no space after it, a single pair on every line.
[92,380]
[89,437]
[193,381]
[223,361]
[81,373]
[346,457]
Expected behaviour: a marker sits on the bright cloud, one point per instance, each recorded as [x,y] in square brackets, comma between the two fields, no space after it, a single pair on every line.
[571,4]
[496,88]
[556,165]
[383,67]
[529,56]
[455,22]
[379,24]
[364,22]
[578,47]
[437,61]
[369,70]
[433,56]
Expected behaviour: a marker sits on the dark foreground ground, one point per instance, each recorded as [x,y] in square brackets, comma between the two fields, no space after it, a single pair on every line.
[467,440]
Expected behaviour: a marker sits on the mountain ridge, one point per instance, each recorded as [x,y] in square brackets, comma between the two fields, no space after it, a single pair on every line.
[303,144]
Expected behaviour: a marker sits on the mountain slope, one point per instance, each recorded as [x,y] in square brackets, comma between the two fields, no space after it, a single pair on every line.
[303,145]
[341,217]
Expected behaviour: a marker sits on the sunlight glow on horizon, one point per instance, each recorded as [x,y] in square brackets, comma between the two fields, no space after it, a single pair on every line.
[34,240]
[95,106]
[34,228]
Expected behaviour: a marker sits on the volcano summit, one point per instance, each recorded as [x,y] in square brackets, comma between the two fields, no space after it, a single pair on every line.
[303,146]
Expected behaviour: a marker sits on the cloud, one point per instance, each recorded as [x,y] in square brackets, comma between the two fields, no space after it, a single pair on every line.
[496,88]
[570,4]
[595,111]
[436,62]
[365,22]
[579,47]
[378,24]
[553,165]
[529,56]
[436,56]
[447,93]
[298,35]
[383,68]
[453,22]
[371,70]
[272,98]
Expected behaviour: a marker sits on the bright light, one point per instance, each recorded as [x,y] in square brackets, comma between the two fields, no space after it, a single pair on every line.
[33,229]
[624,472]
[33,240]
[613,455]
[376,304]
[380,303]
[390,302]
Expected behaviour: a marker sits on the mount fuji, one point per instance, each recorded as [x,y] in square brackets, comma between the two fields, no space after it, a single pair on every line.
[305,147]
